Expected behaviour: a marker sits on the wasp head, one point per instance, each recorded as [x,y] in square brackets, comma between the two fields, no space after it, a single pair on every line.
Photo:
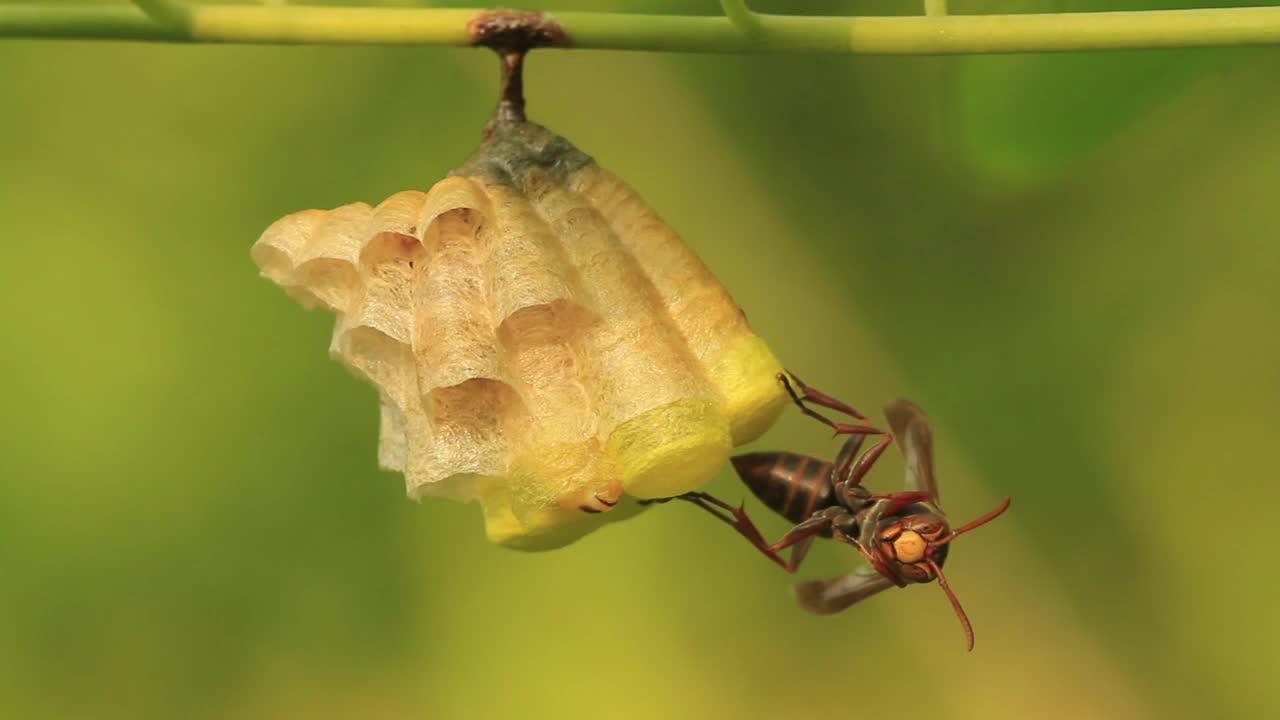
[915,546]
[912,548]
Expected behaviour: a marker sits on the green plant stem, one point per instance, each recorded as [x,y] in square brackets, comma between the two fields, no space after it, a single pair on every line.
[83,21]
[328,26]
[172,13]
[935,7]
[921,35]
[742,19]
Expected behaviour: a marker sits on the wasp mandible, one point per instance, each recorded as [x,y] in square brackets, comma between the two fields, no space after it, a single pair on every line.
[904,536]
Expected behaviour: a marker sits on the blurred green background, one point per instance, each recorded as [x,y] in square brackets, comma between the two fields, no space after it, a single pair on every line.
[1070,261]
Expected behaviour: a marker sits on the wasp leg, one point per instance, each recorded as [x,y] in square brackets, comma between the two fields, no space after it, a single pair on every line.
[798,552]
[877,563]
[735,517]
[817,397]
[817,523]
[854,473]
[826,401]
[899,500]
[848,453]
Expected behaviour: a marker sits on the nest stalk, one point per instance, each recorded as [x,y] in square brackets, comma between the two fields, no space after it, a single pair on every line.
[512,34]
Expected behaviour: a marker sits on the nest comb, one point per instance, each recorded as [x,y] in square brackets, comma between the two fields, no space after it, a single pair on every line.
[542,342]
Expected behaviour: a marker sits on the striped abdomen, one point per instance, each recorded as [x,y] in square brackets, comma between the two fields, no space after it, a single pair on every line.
[794,485]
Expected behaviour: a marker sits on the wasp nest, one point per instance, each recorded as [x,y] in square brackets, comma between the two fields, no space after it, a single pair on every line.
[541,341]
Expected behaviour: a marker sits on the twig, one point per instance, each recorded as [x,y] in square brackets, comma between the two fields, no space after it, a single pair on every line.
[170,13]
[742,19]
[740,32]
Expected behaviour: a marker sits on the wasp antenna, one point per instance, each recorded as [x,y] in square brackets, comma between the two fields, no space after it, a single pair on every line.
[955,603]
[979,522]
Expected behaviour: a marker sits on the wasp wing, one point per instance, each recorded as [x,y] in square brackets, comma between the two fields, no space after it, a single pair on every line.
[831,595]
[914,434]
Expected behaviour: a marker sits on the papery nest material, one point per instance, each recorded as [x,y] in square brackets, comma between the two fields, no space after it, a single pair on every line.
[541,340]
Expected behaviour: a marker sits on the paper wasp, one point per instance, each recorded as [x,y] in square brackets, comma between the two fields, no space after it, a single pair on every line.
[904,536]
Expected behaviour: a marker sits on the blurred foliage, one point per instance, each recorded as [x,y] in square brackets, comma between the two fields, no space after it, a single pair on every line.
[1070,261]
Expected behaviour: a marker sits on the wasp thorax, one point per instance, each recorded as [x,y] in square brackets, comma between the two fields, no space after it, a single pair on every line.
[541,341]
